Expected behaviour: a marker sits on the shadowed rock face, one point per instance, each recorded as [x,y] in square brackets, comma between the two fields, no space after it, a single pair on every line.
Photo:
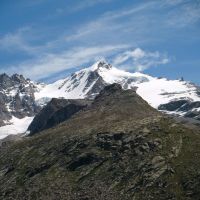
[55,112]
[97,83]
[188,108]
[116,148]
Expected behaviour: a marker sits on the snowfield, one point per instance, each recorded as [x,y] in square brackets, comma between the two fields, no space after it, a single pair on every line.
[17,126]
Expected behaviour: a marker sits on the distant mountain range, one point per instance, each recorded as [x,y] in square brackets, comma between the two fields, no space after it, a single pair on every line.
[21,99]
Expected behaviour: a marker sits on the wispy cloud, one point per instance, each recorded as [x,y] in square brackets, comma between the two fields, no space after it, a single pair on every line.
[87,3]
[79,6]
[140,60]
[22,41]
[15,41]
[135,26]
[108,24]
[187,14]
[53,63]
[133,23]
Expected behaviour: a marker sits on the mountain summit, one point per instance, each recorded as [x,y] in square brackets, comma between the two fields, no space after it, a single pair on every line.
[88,82]
[101,65]
[158,92]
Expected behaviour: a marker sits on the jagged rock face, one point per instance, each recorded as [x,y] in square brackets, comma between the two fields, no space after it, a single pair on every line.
[117,148]
[97,83]
[16,97]
[186,108]
[55,112]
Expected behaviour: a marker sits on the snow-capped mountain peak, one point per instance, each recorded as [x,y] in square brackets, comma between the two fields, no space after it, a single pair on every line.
[100,65]
[22,97]
[88,82]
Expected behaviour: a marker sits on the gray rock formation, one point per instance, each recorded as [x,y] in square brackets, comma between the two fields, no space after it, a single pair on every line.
[16,97]
[55,112]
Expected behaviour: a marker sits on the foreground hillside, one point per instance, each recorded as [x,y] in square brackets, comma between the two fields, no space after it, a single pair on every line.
[117,148]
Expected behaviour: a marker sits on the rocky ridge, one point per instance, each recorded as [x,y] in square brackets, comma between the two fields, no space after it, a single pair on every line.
[16,98]
[55,112]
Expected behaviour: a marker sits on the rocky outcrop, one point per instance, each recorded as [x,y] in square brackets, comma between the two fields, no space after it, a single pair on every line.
[16,98]
[185,108]
[55,112]
[97,84]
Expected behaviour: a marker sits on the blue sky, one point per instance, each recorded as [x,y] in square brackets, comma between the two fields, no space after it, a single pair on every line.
[47,39]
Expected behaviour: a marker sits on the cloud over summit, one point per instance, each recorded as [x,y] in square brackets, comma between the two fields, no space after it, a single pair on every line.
[140,60]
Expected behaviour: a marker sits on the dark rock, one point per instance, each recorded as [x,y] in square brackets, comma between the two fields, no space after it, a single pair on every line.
[83,159]
[55,112]
[185,106]
[34,171]
[97,86]
[173,105]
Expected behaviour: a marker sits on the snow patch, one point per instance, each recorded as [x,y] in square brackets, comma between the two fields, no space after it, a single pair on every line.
[16,126]
[162,91]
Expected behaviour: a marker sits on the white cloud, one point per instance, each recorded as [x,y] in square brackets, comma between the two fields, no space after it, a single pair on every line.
[140,60]
[132,26]
[137,54]
[49,64]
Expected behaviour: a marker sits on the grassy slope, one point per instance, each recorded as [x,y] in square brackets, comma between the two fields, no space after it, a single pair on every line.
[119,148]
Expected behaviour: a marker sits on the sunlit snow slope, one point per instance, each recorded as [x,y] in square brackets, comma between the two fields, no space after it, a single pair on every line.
[155,91]
[16,126]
